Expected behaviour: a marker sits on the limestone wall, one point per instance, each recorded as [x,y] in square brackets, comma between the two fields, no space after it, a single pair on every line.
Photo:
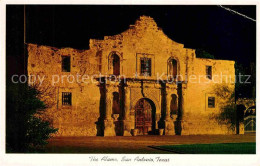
[80,118]
[198,117]
[143,39]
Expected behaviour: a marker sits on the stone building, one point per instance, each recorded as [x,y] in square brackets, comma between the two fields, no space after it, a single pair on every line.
[139,79]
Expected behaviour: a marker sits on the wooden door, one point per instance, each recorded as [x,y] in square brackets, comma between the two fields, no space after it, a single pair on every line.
[143,117]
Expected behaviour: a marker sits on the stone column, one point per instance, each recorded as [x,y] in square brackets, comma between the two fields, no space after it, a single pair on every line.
[127,120]
[108,122]
[179,123]
[168,106]
[109,102]
[169,124]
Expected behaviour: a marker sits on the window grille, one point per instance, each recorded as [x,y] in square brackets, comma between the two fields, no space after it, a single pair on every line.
[146,66]
[66,98]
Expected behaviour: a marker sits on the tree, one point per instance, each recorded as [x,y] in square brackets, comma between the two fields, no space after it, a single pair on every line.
[253,73]
[244,89]
[230,113]
[25,131]
[227,114]
[200,53]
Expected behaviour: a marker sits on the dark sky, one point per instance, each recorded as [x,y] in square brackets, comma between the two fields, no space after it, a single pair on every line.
[218,31]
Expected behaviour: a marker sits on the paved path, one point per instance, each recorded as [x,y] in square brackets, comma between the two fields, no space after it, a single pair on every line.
[138,144]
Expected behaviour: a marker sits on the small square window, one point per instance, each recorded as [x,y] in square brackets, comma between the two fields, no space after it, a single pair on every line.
[209,72]
[146,66]
[211,102]
[65,63]
[66,98]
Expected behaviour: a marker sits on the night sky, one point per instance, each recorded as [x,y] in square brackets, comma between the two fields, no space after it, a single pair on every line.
[218,31]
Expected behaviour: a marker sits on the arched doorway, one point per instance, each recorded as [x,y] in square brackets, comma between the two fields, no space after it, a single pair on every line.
[145,116]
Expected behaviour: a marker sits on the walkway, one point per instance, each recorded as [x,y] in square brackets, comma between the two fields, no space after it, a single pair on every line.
[138,144]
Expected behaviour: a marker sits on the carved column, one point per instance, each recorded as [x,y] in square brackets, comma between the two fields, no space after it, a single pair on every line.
[179,121]
[169,124]
[168,106]
[182,117]
[127,120]
[108,122]
[109,102]
[127,103]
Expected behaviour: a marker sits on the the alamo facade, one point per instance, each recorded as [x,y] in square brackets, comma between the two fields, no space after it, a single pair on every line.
[153,92]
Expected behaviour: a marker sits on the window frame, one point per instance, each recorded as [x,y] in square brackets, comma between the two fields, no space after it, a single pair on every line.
[171,67]
[138,65]
[209,72]
[210,104]
[66,68]
[116,64]
[144,69]
[68,99]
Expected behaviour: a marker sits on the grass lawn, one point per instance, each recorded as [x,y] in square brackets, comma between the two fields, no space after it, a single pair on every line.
[223,148]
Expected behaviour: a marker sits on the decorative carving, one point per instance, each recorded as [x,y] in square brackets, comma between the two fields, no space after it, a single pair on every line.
[109,124]
[169,127]
[109,98]
[115,116]
[153,94]
[173,117]
[109,128]
[158,116]
[128,127]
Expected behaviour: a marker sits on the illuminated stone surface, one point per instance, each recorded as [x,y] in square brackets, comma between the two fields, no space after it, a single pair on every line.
[91,112]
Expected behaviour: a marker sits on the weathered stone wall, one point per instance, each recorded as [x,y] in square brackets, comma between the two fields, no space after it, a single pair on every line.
[144,39]
[199,118]
[78,119]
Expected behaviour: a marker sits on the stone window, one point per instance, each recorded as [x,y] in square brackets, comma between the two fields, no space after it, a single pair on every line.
[116,64]
[172,68]
[146,66]
[65,63]
[209,72]
[211,102]
[66,98]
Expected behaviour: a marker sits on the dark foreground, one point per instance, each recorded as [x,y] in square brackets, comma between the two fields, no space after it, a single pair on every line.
[223,148]
[138,144]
